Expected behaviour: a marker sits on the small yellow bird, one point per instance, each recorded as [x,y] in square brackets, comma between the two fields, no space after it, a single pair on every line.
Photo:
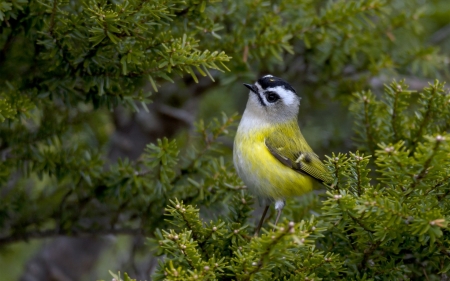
[270,153]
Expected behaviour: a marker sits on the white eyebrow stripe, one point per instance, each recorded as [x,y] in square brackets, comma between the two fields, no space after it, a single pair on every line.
[288,97]
[268,75]
[260,89]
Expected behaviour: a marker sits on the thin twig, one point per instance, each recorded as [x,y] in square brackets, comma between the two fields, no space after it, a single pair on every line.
[260,263]
[394,115]
[367,124]
[424,122]
[425,167]
[360,223]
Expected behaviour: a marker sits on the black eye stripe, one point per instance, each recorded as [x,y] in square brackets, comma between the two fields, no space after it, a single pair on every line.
[261,101]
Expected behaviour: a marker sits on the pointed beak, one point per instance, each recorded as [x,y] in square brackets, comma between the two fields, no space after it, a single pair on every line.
[252,88]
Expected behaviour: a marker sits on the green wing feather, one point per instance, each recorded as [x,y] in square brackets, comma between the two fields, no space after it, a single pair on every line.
[288,146]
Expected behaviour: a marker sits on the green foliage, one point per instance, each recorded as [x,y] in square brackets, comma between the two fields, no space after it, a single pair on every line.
[68,67]
[397,117]
[101,52]
[390,223]
[132,190]
[224,249]
[95,50]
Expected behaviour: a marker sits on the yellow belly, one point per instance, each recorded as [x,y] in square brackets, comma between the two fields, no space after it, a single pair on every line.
[263,173]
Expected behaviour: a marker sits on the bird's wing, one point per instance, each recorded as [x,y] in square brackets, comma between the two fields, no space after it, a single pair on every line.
[296,154]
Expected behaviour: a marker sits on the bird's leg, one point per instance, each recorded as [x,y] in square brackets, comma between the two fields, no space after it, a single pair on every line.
[261,221]
[279,205]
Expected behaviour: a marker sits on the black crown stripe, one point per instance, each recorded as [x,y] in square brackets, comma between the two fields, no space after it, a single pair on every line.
[272,81]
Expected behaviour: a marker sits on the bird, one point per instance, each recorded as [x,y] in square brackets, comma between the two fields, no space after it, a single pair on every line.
[270,154]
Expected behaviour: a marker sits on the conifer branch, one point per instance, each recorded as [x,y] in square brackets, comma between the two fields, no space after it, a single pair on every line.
[208,142]
[356,220]
[418,178]
[336,174]
[438,184]
[358,178]
[188,260]
[325,22]
[368,253]
[310,268]
[367,124]
[423,124]
[397,92]
[202,243]
[442,196]
[52,17]
[264,255]
[61,207]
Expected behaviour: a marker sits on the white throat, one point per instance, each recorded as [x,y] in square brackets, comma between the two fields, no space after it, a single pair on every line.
[252,120]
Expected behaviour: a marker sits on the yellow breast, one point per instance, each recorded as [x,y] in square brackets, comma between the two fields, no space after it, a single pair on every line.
[262,172]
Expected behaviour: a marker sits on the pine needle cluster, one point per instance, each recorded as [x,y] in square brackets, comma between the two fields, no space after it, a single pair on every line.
[385,216]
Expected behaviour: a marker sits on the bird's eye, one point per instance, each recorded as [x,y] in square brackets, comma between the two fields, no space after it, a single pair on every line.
[272,97]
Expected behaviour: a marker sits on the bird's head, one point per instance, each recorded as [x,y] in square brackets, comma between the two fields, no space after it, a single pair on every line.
[273,99]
